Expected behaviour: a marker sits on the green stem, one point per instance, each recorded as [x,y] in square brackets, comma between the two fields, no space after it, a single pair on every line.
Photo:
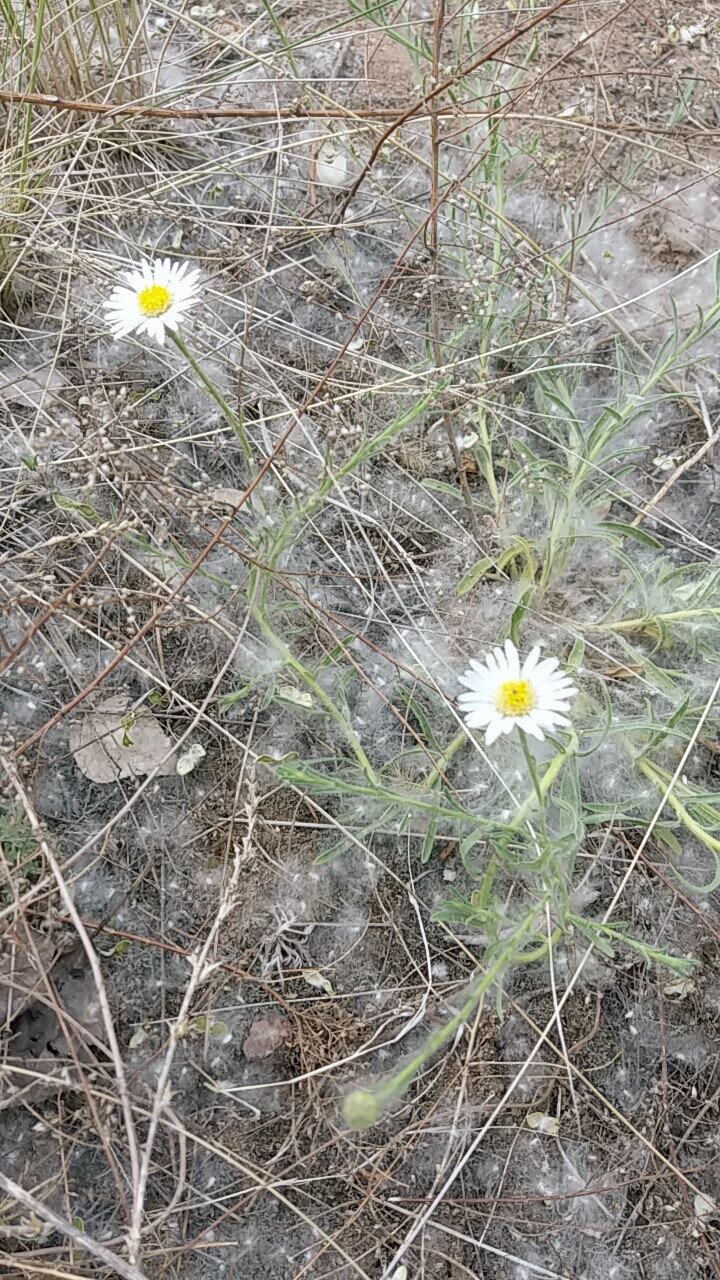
[494,169]
[446,757]
[657,374]
[661,780]
[641,624]
[530,957]
[369,1104]
[540,788]
[222,404]
[366,451]
[532,768]
[317,690]
[481,896]
[540,785]
[282,37]
[488,468]
[540,794]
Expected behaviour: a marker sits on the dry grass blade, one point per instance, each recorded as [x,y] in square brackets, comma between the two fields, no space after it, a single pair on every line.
[117,1265]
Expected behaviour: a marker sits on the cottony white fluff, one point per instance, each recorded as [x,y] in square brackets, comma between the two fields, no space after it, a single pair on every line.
[158,295]
[503,694]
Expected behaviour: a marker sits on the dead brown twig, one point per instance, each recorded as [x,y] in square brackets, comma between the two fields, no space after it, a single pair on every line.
[679,471]
[117,1265]
[68,902]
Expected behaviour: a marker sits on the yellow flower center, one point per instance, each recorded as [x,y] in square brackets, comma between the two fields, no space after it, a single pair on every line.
[515,698]
[155,300]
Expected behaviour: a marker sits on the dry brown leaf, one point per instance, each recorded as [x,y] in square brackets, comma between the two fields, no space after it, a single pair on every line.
[623,671]
[265,1036]
[97,742]
[227,497]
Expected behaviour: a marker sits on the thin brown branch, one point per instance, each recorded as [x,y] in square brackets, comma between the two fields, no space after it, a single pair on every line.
[79,1238]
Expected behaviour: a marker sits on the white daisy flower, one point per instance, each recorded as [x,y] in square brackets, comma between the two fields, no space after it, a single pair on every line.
[158,295]
[503,694]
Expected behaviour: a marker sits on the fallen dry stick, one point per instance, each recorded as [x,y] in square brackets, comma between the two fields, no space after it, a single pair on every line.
[18,786]
[80,1238]
[677,473]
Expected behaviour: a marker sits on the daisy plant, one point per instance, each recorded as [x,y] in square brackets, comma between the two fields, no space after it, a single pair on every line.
[533,847]
[154,300]
[502,695]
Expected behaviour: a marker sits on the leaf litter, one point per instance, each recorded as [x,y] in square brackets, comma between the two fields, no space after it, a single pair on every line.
[109,743]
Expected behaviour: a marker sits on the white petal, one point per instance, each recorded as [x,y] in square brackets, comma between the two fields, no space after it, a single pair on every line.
[544,670]
[501,662]
[530,663]
[527,722]
[532,727]
[478,719]
[555,690]
[468,679]
[185,279]
[478,683]
[479,671]
[494,729]
[182,304]
[180,290]
[555,693]
[187,284]
[473,699]
[121,297]
[513,658]
[478,705]
[554,677]
[546,695]
[550,704]
[549,719]
[558,695]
